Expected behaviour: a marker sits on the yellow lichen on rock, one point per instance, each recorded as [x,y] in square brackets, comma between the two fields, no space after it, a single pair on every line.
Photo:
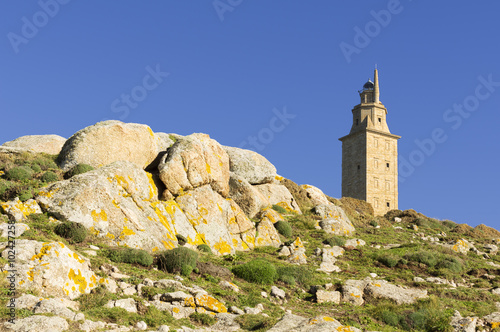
[78,280]
[209,303]
[223,247]
[43,251]
[153,191]
[99,216]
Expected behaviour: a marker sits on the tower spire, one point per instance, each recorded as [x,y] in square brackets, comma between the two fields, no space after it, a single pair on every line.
[376,93]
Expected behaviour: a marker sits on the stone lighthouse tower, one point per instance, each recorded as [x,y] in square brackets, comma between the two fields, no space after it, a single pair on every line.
[370,153]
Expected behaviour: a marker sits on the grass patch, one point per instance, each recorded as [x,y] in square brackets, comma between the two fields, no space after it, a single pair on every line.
[174,260]
[335,241]
[72,231]
[279,209]
[202,319]
[257,271]
[78,169]
[283,227]
[130,256]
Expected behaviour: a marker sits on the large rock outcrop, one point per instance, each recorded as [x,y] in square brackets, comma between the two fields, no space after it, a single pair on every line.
[51,144]
[250,165]
[246,196]
[119,202]
[216,221]
[52,269]
[334,219]
[109,141]
[278,194]
[193,161]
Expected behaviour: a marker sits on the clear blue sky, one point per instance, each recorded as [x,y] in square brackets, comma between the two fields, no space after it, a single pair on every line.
[227,67]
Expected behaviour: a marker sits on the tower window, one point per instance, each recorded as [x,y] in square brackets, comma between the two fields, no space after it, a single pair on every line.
[359,167]
[357,122]
[387,164]
[379,119]
[388,204]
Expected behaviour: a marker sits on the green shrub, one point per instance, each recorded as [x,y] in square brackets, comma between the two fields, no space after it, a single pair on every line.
[300,274]
[426,257]
[19,173]
[451,263]
[130,256]
[283,227]
[388,260]
[390,317]
[72,231]
[36,168]
[287,279]
[186,270]
[204,248]
[373,223]
[49,176]
[258,271]
[38,217]
[173,260]
[45,162]
[181,239]
[148,292]
[78,169]
[4,186]
[279,209]
[303,222]
[203,319]
[335,241]
[26,194]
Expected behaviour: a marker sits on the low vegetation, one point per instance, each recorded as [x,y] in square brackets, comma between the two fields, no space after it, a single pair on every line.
[130,255]
[177,260]
[72,231]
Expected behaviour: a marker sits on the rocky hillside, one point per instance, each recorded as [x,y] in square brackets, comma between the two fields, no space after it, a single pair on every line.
[119,228]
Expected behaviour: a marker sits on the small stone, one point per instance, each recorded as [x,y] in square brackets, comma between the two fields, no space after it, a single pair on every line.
[164,328]
[236,310]
[94,247]
[285,251]
[229,285]
[148,282]
[373,275]
[116,275]
[397,219]
[90,252]
[496,291]
[418,279]
[323,296]
[130,291]
[263,294]
[141,326]
[276,292]
[179,278]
